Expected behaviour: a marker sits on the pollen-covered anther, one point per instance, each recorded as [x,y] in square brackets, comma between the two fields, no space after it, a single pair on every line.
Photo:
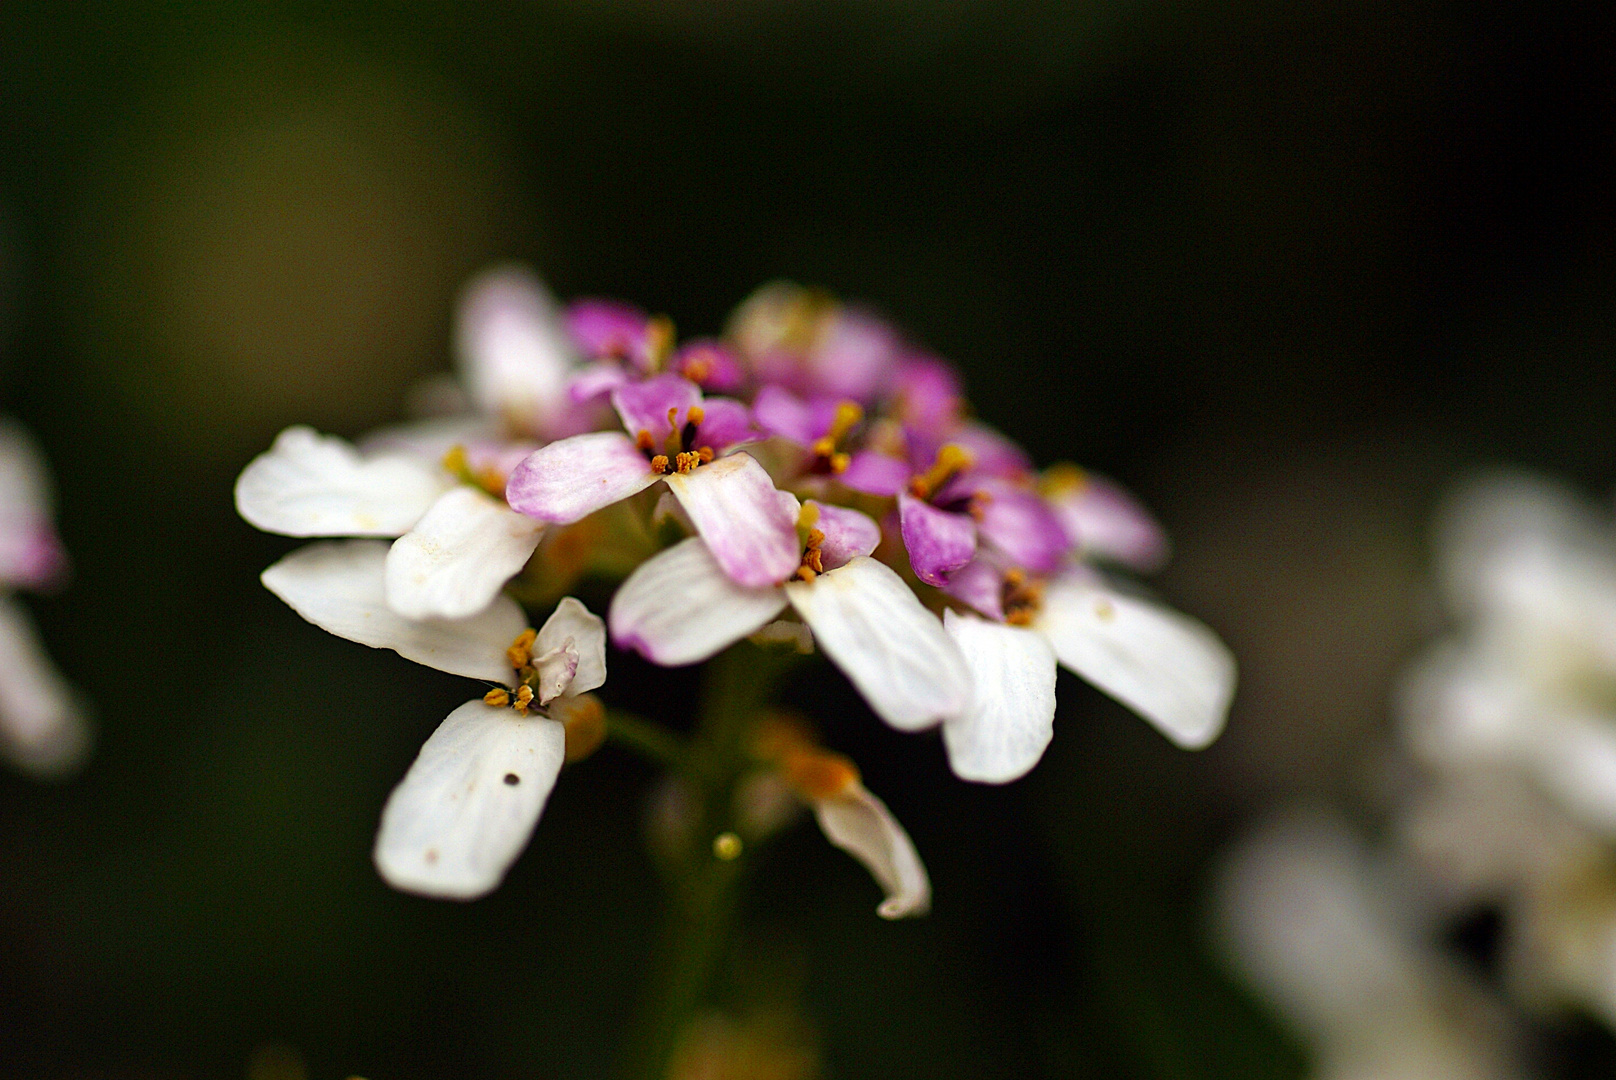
[706,454]
[644,442]
[659,464]
[1020,597]
[498,697]
[521,650]
[951,459]
[818,774]
[524,699]
[813,559]
[1062,479]
[686,462]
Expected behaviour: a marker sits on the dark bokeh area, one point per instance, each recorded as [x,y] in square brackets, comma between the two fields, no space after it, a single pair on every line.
[1284,272]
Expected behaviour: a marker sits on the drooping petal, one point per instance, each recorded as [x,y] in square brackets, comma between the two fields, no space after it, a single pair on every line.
[514,353]
[459,556]
[1103,520]
[567,481]
[679,607]
[861,825]
[739,513]
[309,484]
[1165,666]
[938,541]
[30,553]
[572,621]
[1012,714]
[644,406]
[42,725]
[875,473]
[885,641]
[848,534]
[727,423]
[466,808]
[1020,524]
[340,586]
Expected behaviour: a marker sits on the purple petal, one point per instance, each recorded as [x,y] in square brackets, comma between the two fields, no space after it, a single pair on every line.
[855,357]
[782,413]
[571,479]
[1103,519]
[1020,524]
[726,423]
[928,393]
[993,453]
[876,474]
[748,528]
[848,534]
[979,583]
[30,553]
[710,365]
[938,541]
[644,406]
[609,328]
[596,380]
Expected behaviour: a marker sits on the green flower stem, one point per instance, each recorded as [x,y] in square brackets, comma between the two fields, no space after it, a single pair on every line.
[702,903]
[648,739]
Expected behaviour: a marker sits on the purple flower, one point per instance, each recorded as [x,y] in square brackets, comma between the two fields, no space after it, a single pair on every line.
[676,436]
[811,345]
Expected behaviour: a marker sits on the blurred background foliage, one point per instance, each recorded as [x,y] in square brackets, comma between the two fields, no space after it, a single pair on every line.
[1283,269]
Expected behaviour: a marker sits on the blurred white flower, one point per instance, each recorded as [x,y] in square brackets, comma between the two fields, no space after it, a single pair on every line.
[43,727]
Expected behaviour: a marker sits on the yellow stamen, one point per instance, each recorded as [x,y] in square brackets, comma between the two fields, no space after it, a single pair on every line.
[659,338]
[848,413]
[498,697]
[686,462]
[1060,479]
[524,699]
[819,774]
[706,454]
[950,460]
[644,442]
[455,461]
[659,464]
[727,846]
[695,415]
[521,650]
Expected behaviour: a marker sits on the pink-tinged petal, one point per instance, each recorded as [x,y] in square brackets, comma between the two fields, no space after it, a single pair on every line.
[466,808]
[609,329]
[309,484]
[855,355]
[644,406]
[593,381]
[340,586]
[871,625]
[848,534]
[31,554]
[43,727]
[992,453]
[679,607]
[571,479]
[1012,715]
[783,414]
[875,473]
[1103,520]
[497,457]
[726,423]
[429,440]
[710,365]
[739,513]
[1022,526]
[459,556]
[979,583]
[938,541]
[928,395]
[1166,666]
[514,353]
[553,671]
[861,825]
[573,622]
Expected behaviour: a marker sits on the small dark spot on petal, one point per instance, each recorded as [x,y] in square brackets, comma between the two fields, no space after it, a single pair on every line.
[512,779]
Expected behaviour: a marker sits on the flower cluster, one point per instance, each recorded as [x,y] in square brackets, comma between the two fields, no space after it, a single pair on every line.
[821,480]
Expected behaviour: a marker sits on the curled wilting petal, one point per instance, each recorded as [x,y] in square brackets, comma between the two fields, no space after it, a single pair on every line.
[861,825]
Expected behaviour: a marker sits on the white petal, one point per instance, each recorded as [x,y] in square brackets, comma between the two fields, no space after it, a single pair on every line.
[884,640]
[1012,714]
[41,724]
[679,607]
[750,527]
[1165,666]
[25,485]
[459,556]
[430,439]
[576,623]
[339,587]
[861,825]
[514,352]
[309,484]
[466,808]
[555,669]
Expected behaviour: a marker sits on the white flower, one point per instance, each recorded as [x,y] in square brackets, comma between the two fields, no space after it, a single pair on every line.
[465,809]
[43,727]
[457,541]
[1528,680]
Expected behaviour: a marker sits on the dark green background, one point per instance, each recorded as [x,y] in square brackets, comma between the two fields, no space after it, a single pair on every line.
[1284,269]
